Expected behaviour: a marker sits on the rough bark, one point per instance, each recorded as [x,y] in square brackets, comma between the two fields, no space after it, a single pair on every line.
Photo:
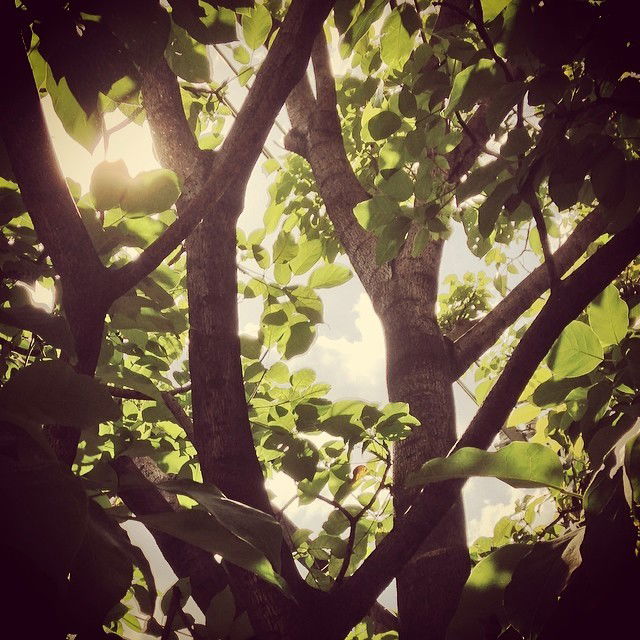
[419,373]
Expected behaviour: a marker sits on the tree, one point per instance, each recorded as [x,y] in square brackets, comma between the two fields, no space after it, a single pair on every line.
[517,120]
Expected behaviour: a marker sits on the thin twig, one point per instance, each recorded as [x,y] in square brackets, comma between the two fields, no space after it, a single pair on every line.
[132,394]
[484,34]
[346,561]
[531,199]
[467,129]
[237,73]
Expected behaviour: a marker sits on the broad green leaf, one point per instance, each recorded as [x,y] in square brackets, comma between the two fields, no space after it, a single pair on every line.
[151,192]
[396,44]
[204,531]
[252,525]
[299,339]
[221,613]
[102,570]
[479,179]
[472,83]
[576,352]
[492,8]
[51,392]
[407,103]
[482,598]
[609,316]
[256,25]
[109,183]
[490,209]
[398,186]
[187,57]
[391,239]
[329,275]
[383,124]
[84,130]
[520,464]
[538,579]
[376,212]
[391,154]
[371,12]
[308,254]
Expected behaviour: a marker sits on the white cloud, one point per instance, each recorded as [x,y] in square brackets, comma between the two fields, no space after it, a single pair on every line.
[362,359]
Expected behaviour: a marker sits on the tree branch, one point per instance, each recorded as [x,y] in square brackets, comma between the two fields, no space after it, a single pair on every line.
[35,165]
[132,394]
[383,619]
[282,68]
[531,199]
[564,305]
[484,333]
[316,135]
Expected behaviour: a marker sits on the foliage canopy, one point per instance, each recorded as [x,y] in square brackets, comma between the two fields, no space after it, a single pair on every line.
[517,122]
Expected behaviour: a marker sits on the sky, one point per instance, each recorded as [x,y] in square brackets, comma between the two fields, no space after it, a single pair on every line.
[349,352]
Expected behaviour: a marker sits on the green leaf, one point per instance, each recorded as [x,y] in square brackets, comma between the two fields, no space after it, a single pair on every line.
[256,25]
[482,598]
[372,11]
[538,579]
[609,316]
[51,392]
[84,130]
[187,57]
[376,212]
[520,464]
[299,339]
[490,209]
[151,192]
[308,254]
[391,239]
[254,526]
[204,531]
[472,83]
[576,352]
[398,186]
[329,275]
[479,179]
[109,183]
[396,44]
[383,124]
[102,570]
[492,8]
[407,103]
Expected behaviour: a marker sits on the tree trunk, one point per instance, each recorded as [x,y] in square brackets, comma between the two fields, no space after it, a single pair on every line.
[222,431]
[418,373]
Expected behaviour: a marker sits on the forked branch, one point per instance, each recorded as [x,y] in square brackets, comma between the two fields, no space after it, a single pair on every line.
[470,346]
[564,305]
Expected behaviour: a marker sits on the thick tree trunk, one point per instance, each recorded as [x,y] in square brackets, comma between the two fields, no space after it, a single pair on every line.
[222,431]
[419,373]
